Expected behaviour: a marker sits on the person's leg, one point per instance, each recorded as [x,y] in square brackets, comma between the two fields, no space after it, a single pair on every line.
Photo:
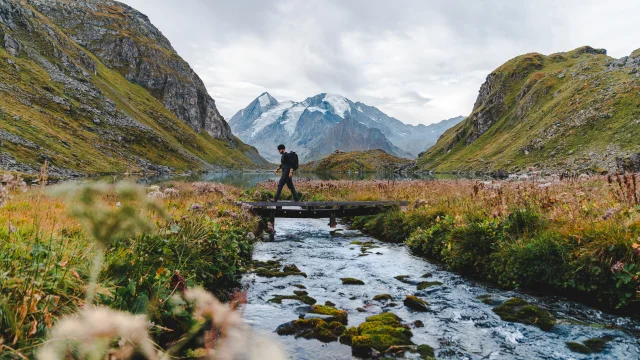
[292,188]
[283,180]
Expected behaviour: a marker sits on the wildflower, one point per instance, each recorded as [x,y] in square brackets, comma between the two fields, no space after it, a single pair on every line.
[118,204]
[153,188]
[196,207]
[85,331]
[617,267]
[171,192]
[156,195]
[12,228]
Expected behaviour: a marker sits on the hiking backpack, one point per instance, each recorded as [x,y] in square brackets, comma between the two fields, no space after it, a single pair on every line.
[293,160]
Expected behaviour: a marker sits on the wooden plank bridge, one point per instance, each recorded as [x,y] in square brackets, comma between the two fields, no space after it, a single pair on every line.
[320,209]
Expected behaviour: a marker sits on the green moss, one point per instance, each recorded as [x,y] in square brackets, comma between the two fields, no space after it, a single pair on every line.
[518,310]
[415,303]
[271,268]
[589,346]
[426,352]
[325,331]
[338,315]
[379,332]
[382,297]
[299,286]
[427,275]
[426,284]
[271,273]
[351,281]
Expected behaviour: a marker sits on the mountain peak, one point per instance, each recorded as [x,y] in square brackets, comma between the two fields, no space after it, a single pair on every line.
[339,103]
[266,100]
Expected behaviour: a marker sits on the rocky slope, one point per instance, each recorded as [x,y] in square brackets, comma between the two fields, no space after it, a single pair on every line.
[358,162]
[323,123]
[575,111]
[92,86]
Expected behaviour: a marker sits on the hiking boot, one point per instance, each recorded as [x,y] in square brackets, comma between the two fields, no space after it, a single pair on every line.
[273,200]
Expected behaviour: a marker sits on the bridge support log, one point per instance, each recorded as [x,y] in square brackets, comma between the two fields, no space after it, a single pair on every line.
[332,220]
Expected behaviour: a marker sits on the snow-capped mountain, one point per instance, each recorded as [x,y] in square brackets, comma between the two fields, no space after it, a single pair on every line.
[324,123]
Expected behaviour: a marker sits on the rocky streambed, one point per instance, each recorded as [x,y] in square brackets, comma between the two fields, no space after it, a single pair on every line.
[338,294]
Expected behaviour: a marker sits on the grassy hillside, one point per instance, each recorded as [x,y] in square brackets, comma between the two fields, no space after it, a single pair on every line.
[357,161]
[575,111]
[61,104]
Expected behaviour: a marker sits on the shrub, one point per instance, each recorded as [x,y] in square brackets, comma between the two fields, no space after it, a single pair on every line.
[468,247]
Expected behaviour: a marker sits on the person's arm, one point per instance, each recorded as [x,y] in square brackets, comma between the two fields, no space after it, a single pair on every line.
[291,172]
[278,169]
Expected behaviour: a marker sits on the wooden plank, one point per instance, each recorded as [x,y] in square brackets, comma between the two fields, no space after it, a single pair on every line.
[317,213]
[258,204]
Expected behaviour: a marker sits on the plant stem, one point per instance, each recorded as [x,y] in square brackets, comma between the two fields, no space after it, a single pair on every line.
[95,271]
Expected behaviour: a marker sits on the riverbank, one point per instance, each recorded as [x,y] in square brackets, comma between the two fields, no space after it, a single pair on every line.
[576,237]
[200,239]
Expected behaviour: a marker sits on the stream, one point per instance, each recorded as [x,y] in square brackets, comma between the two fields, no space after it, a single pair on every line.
[458,325]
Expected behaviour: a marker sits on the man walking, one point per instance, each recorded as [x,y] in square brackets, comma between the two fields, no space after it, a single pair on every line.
[288,163]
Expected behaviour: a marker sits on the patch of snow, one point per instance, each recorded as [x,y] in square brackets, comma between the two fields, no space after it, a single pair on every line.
[269,117]
[338,103]
[372,118]
[264,100]
[315,108]
[291,118]
[359,108]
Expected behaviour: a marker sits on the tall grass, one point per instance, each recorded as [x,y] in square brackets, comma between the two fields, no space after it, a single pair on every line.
[115,270]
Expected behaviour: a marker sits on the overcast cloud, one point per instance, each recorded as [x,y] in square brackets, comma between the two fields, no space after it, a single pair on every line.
[420,61]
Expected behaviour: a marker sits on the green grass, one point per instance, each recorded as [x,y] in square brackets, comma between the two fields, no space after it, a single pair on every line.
[356,161]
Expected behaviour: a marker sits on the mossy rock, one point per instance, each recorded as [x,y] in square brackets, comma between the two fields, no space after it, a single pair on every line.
[427,275]
[299,295]
[426,352]
[415,303]
[518,310]
[361,309]
[329,303]
[589,346]
[348,335]
[403,279]
[383,297]
[351,281]
[299,286]
[338,315]
[270,273]
[291,268]
[418,324]
[378,332]
[313,328]
[426,284]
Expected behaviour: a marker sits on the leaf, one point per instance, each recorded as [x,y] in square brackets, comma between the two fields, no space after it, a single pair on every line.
[34,328]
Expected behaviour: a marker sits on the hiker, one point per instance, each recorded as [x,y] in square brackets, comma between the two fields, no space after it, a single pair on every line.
[288,163]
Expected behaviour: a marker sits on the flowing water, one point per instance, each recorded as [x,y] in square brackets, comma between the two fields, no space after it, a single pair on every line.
[458,326]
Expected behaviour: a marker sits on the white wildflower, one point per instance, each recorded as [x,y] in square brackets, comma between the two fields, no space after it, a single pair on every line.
[96,326]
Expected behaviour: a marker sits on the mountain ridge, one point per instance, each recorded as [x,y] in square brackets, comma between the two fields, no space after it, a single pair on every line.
[62,104]
[574,111]
[310,126]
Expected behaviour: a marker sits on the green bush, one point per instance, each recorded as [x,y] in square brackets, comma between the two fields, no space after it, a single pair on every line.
[532,263]
[522,222]
[430,242]
[469,247]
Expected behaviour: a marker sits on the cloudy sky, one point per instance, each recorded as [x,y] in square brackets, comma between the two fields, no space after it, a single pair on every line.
[420,61]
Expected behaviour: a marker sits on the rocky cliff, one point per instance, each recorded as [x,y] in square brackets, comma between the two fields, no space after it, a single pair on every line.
[92,86]
[573,111]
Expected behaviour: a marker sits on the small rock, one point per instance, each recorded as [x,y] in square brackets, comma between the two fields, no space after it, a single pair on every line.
[415,303]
